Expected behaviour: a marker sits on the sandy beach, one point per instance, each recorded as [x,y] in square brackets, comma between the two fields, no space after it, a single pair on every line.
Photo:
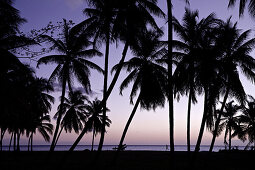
[147,160]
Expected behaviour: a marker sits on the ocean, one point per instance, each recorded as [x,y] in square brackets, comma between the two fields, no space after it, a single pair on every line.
[129,147]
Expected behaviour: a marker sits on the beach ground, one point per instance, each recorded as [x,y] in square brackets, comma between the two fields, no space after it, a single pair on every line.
[133,160]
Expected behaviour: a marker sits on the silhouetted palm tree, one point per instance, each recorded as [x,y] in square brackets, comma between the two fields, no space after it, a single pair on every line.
[184,74]
[248,119]
[43,126]
[242,6]
[74,115]
[148,77]
[72,62]
[230,121]
[95,118]
[131,20]
[170,68]
[235,53]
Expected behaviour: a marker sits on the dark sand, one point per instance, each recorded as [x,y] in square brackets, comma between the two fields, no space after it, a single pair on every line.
[133,160]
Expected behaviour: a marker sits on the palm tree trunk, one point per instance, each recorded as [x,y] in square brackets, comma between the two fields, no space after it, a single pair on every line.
[18,139]
[188,122]
[59,116]
[104,91]
[2,136]
[229,138]
[126,128]
[93,137]
[218,119]
[31,144]
[78,139]
[170,85]
[197,148]
[10,142]
[14,142]
[114,80]
[59,135]
[28,143]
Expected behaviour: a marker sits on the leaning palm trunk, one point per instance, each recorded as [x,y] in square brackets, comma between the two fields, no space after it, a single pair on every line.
[188,122]
[28,143]
[2,136]
[52,147]
[59,135]
[101,142]
[201,132]
[170,85]
[126,127]
[114,80]
[10,142]
[218,119]
[78,139]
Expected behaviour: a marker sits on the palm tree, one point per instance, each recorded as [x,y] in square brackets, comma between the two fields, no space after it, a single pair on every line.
[95,119]
[235,53]
[131,20]
[72,62]
[230,121]
[148,77]
[242,6]
[248,119]
[170,68]
[74,115]
[103,16]
[184,73]
[43,126]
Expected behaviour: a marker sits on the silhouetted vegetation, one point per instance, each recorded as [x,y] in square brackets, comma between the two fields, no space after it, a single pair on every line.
[206,59]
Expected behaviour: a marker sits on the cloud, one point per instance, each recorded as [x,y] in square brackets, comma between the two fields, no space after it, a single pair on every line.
[74,4]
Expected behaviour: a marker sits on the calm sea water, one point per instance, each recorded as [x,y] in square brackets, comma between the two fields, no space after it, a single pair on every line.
[129,147]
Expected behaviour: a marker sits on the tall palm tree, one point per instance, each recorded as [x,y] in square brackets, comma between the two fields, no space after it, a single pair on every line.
[235,55]
[103,15]
[184,74]
[170,72]
[131,20]
[148,77]
[242,6]
[74,115]
[95,118]
[72,62]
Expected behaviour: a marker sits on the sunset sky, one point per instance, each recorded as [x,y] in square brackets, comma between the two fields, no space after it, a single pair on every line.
[148,127]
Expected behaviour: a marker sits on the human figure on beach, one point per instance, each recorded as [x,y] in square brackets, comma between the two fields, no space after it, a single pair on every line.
[166,147]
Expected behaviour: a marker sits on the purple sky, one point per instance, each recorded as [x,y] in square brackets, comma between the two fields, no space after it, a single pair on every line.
[148,127]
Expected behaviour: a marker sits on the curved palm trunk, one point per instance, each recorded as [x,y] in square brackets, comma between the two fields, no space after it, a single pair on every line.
[126,128]
[92,145]
[59,116]
[104,92]
[170,85]
[10,142]
[114,80]
[201,132]
[59,135]
[218,120]
[188,122]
